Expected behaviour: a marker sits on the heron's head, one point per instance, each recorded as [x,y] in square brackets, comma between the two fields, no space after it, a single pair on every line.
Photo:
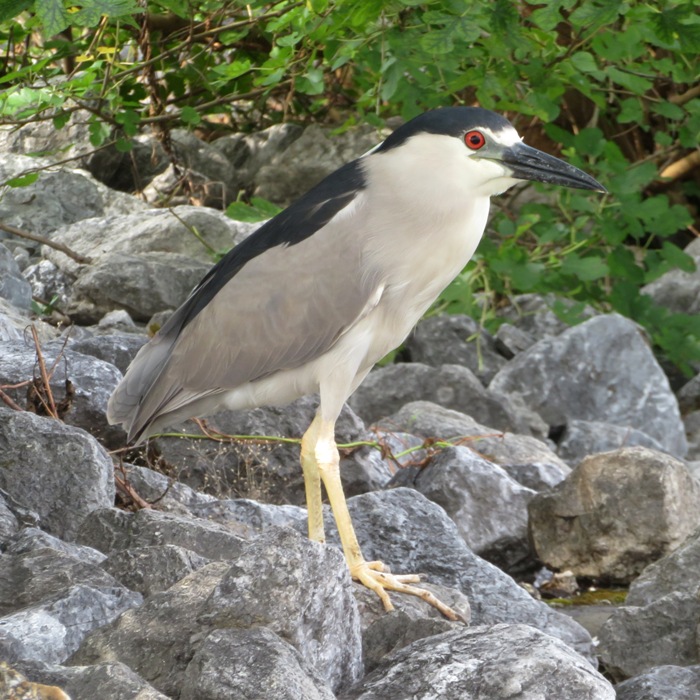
[479,151]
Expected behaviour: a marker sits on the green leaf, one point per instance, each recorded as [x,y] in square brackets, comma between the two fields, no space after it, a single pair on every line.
[92,11]
[622,264]
[289,40]
[585,269]
[23,180]
[669,110]
[265,206]
[258,210]
[585,62]
[592,15]
[190,116]
[123,145]
[130,120]
[437,42]
[635,83]
[677,257]
[9,9]
[98,133]
[548,17]
[631,111]
[53,16]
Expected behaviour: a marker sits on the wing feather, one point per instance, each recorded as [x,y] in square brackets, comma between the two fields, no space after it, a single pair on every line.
[280,309]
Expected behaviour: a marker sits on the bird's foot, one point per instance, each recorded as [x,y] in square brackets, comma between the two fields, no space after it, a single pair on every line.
[377,577]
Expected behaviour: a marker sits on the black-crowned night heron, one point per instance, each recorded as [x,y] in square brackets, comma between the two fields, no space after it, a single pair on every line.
[311,300]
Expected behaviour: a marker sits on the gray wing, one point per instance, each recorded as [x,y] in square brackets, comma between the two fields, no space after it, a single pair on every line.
[284,307]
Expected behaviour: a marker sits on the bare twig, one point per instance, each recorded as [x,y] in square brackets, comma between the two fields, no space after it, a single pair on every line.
[680,167]
[45,241]
[9,402]
[45,377]
[130,491]
[685,96]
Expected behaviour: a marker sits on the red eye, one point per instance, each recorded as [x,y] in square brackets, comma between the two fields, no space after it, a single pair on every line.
[474,140]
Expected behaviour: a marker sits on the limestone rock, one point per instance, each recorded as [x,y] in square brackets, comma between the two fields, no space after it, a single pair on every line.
[487,505]
[234,663]
[456,340]
[580,375]
[615,513]
[62,472]
[503,661]
[387,389]
[662,683]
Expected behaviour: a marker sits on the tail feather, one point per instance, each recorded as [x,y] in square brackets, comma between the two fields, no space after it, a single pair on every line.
[139,396]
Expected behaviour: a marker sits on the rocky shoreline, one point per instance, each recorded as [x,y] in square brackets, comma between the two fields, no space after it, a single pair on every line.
[182,571]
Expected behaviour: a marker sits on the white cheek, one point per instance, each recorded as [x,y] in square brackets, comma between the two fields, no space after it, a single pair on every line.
[489,177]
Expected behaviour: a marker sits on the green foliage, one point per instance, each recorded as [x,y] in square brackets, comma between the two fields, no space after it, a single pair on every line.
[611,85]
[258,210]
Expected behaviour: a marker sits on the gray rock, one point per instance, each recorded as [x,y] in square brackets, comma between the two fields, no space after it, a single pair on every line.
[144,262]
[32,539]
[582,438]
[111,530]
[538,476]
[676,290]
[115,681]
[116,321]
[300,590]
[35,576]
[579,375]
[132,171]
[9,524]
[164,492]
[82,403]
[50,284]
[504,661]
[488,507]
[636,639]
[208,173]
[14,684]
[234,663]
[191,232]
[615,513]
[455,340]
[689,395]
[387,389]
[510,340]
[12,322]
[118,349]
[411,534]
[51,630]
[268,470]
[677,572]
[431,421]
[542,316]
[308,159]
[13,286]
[662,683]
[259,516]
[158,639]
[43,137]
[247,153]
[383,633]
[142,284]
[66,196]
[62,472]
[691,423]
[149,570]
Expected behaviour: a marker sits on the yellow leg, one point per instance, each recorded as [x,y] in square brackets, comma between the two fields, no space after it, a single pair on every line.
[312,483]
[373,574]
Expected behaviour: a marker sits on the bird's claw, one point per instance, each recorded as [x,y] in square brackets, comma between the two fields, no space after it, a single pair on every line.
[376,576]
